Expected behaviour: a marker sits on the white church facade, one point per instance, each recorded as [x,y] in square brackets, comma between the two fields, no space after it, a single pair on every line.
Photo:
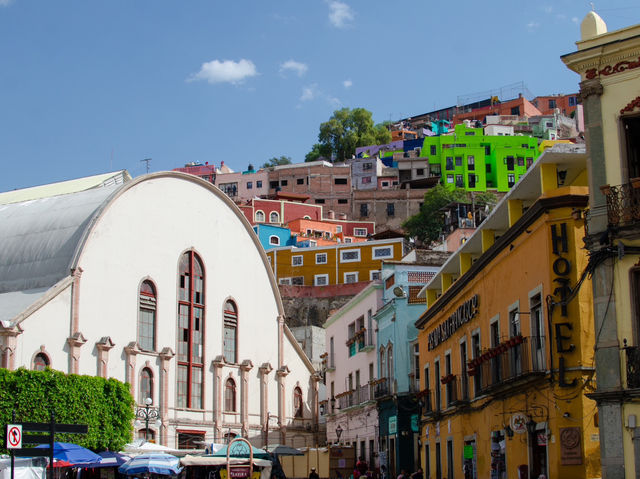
[159,282]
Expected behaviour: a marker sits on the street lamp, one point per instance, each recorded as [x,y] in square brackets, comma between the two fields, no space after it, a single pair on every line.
[338,432]
[147,413]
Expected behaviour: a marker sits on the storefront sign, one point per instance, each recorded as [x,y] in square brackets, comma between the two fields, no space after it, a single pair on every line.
[519,423]
[414,423]
[465,313]
[393,424]
[570,450]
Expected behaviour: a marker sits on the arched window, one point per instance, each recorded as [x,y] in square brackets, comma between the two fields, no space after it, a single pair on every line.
[297,402]
[230,346]
[390,364]
[149,434]
[40,362]
[274,240]
[146,385]
[383,364]
[230,396]
[190,331]
[147,316]
[259,216]
[274,217]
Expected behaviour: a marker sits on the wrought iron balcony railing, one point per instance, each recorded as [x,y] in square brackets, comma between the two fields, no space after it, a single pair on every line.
[623,203]
[381,388]
[632,356]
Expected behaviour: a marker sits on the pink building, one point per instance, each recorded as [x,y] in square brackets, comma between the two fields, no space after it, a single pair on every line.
[243,186]
[207,171]
[351,373]
[280,212]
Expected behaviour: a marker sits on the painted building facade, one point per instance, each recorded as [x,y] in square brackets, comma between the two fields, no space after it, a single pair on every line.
[506,342]
[278,212]
[609,67]
[179,302]
[245,185]
[330,265]
[351,372]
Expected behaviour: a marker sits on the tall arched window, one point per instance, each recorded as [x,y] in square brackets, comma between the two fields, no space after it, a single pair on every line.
[40,362]
[274,217]
[190,331]
[259,216]
[230,396]
[297,402]
[147,316]
[383,364]
[146,385]
[390,364]
[230,346]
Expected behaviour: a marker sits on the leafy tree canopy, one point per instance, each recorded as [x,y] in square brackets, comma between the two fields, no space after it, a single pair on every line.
[283,160]
[318,152]
[104,405]
[427,225]
[348,129]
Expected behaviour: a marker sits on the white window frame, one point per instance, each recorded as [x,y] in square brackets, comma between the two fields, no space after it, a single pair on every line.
[259,212]
[285,281]
[294,278]
[326,258]
[348,240]
[375,248]
[373,272]
[361,232]
[338,228]
[277,217]
[342,252]
[293,260]
[318,276]
[350,273]
[277,242]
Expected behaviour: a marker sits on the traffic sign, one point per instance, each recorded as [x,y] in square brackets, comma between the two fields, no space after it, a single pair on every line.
[14,436]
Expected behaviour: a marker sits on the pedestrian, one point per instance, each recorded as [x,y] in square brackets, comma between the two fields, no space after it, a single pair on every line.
[362,466]
[418,474]
[403,474]
[383,472]
[313,474]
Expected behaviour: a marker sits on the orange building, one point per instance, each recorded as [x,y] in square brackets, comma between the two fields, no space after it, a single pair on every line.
[567,104]
[518,106]
[322,233]
[506,342]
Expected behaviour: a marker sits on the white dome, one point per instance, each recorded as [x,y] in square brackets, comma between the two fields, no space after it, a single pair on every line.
[592,26]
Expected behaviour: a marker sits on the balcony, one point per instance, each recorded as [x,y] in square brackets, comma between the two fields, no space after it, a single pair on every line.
[632,355]
[381,388]
[517,358]
[623,203]
[359,395]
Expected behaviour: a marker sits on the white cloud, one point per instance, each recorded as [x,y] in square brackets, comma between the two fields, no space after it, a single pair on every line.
[225,71]
[531,26]
[347,83]
[4,3]
[309,92]
[291,65]
[340,14]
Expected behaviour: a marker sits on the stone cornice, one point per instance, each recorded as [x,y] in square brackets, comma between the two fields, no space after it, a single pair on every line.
[77,339]
[105,343]
[265,368]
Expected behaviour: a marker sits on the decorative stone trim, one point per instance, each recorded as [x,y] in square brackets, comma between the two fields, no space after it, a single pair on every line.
[632,105]
[166,355]
[103,346]
[245,367]
[75,342]
[131,350]
[589,88]
[8,350]
[607,70]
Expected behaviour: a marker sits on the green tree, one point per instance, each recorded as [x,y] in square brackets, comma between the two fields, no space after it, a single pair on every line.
[348,129]
[427,224]
[283,160]
[318,152]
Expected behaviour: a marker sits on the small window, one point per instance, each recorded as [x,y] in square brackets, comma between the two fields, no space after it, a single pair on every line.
[391,209]
[321,258]
[297,402]
[190,440]
[249,185]
[419,171]
[471,162]
[366,180]
[41,362]
[321,280]
[552,104]
[342,201]
[449,179]
[361,232]
[348,240]
[230,341]
[367,166]
[385,184]
[573,101]
[147,317]
[364,209]
[374,275]
[351,277]
[300,181]
[433,149]
[338,228]
[259,184]
[296,260]
[458,161]
[274,217]
[146,386]
[520,161]
[284,182]
[297,280]
[459,181]
[469,133]
[511,180]
[349,255]
[382,252]
[273,185]
[259,216]
[449,164]
[230,396]
[274,240]
[319,201]
[529,162]
[340,181]
[284,281]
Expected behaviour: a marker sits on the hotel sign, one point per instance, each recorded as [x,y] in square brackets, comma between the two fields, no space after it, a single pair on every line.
[465,313]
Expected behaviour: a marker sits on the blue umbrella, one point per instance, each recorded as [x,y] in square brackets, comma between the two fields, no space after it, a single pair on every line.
[164,464]
[109,459]
[72,453]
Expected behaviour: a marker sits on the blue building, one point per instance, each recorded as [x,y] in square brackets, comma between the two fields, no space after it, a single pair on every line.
[397,388]
[272,236]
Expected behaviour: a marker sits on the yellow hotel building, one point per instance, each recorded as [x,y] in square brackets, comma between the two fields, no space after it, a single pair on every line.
[506,341]
[336,264]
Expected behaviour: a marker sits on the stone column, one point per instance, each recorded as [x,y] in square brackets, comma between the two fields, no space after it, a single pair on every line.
[282,373]
[131,350]
[217,364]
[166,355]
[245,367]
[315,411]
[104,346]
[265,369]
[75,342]
[8,348]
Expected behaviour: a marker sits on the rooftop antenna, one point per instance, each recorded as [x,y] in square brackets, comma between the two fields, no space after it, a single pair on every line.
[147,161]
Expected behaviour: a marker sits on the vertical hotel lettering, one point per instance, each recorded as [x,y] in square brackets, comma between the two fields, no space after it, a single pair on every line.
[561,293]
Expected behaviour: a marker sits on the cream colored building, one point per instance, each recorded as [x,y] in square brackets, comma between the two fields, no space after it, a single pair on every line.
[160,282]
[609,68]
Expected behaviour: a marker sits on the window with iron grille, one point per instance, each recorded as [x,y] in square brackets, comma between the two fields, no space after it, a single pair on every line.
[298,280]
[413,295]
[321,280]
[321,258]
[382,252]
[351,277]
[360,232]
[420,276]
[191,307]
[296,260]
[349,255]
[390,281]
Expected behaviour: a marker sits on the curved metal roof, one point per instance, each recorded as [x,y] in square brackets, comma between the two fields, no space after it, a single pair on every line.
[39,238]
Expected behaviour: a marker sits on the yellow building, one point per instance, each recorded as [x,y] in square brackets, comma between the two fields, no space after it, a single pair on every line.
[609,68]
[337,264]
[506,342]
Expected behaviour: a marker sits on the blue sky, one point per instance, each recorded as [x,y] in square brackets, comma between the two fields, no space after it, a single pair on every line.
[89,86]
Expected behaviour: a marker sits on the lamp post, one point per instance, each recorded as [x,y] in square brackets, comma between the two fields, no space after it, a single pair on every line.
[338,432]
[146,414]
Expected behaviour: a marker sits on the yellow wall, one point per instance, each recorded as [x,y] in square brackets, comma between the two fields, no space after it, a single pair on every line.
[508,281]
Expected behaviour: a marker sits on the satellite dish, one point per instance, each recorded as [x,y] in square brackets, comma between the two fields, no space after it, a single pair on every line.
[398,291]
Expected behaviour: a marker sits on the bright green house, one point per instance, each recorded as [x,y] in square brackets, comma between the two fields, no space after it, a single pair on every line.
[473,161]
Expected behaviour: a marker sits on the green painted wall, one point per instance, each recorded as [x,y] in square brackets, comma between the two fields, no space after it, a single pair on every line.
[491,162]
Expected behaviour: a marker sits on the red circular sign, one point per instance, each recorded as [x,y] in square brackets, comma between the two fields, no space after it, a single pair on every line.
[14,437]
